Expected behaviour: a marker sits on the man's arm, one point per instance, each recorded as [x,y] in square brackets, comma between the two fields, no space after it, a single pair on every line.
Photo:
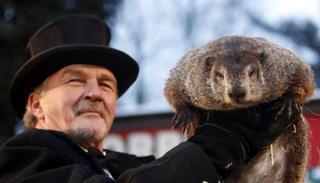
[220,145]
[186,163]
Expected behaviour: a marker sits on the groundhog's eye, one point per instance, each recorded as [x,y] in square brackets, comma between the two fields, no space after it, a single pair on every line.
[219,75]
[252,72]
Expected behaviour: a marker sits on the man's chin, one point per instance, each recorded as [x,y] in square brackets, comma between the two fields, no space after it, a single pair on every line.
[86,135]
[87,130]
[90,121]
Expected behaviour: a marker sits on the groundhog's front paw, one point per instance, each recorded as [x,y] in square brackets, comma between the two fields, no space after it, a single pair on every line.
[184,115]
[282,113]
[288,109]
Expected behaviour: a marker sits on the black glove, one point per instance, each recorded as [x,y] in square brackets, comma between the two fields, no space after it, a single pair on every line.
[230,137]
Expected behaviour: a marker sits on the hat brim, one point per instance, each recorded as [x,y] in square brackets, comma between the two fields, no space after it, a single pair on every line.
[41,66]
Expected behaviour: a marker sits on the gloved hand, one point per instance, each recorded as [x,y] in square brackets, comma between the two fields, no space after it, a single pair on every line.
[230,137]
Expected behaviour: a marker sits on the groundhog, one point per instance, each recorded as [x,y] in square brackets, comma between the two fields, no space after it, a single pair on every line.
[236,72]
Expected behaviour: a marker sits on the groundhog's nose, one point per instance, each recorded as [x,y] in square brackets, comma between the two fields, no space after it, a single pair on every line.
[237,95]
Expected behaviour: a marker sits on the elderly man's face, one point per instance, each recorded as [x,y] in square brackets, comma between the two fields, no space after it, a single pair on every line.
[80,101]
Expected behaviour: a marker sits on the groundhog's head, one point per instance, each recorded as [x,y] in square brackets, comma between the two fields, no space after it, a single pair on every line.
[237,72]
[235,79]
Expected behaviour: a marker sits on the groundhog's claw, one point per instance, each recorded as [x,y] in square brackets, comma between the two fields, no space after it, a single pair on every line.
[184,115]
[287,112]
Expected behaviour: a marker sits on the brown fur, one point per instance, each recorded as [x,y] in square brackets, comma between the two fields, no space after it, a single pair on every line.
[237,72]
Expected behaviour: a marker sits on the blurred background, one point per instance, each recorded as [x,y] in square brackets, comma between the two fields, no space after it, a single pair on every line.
[157,34]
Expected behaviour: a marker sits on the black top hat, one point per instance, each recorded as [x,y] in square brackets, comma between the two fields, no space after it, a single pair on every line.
[72,39]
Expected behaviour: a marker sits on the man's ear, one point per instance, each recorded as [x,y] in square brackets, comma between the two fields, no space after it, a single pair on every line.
[34,105]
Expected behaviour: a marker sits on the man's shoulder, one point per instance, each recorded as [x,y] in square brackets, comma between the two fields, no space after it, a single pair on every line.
[48,142]
[45,139]
[37,137]
[41,154]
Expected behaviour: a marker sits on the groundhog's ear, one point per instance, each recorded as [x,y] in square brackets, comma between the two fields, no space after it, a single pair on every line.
[262,56]
[208,63]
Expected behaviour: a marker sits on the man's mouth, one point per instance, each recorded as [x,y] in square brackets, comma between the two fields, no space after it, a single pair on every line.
[90,112]
[89,109]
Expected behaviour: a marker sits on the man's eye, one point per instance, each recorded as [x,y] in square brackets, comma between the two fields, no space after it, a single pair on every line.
[74,81]
[106,85]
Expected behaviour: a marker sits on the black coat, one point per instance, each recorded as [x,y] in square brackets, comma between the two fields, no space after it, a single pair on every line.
[50,156]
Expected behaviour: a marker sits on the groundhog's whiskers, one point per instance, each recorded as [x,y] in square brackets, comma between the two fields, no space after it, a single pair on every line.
[294,128]
[311,112]
[271,151]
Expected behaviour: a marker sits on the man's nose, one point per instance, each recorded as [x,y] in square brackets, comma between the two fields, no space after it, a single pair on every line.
[93,91]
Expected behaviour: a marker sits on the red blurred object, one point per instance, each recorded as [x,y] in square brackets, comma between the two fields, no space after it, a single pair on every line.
[314,122]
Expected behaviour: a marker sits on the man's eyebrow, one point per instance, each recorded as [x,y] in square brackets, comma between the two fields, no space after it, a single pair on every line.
[106,77]
[70,71]
[82,73]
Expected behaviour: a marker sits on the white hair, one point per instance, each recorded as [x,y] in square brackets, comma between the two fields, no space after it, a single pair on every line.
[29,119]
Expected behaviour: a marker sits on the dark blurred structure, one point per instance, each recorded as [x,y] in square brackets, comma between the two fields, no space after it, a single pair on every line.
[18,21]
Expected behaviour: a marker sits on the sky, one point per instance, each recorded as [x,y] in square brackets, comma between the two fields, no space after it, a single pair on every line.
[298,9]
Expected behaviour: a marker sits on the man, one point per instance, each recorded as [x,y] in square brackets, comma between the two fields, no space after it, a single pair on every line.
[66,94]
